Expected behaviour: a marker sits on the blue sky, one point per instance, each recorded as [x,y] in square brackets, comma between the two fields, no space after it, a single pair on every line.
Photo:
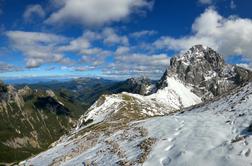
[117,39]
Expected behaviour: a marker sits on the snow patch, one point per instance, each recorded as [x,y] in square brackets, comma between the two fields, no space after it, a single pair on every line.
[176,94]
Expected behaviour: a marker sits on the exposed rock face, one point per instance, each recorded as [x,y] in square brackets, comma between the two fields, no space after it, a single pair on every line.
[206,71]
[3,91]
[30,120]
[50,93]
[26,91]
[141,85]
[52,105]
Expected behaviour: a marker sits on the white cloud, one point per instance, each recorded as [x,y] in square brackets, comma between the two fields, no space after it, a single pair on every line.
[76,45]
[39,48]
[143,33]
[205,2]
[84,68]
[4,67]
[33,10]
[95,60]
[229,36]
[96,12]
[135,65]
[122,50]
[111,37]
[83,45]
[44,48]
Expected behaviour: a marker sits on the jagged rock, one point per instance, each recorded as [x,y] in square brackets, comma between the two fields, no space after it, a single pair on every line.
[3,88]
[206,71]
[140,85]
[26,91]
[50,93]
[242,75]
[52,105]
[3,91]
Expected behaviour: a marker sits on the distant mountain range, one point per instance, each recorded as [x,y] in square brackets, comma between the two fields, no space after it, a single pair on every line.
[33,80]
[34,116]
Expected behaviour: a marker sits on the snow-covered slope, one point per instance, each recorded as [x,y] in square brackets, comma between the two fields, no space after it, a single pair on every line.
[198,75]
[176,94]
[215,133]
[174,97]
[159,129]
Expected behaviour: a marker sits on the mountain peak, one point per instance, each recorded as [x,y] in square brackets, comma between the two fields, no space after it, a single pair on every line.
[205,69]
[199,47]
[198,54]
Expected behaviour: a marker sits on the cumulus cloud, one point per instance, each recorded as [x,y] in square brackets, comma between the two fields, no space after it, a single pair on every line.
[143,33]
[39,48]
[96,12]
[135,65]
[111,37]
[229,36]
[76,45]
[33,11]
[125,60]
[4,67]
[122,50]
[95,60]
[83,45]
[83,68]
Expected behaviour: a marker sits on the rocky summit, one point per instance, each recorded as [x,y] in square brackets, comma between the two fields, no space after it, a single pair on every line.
[206,71]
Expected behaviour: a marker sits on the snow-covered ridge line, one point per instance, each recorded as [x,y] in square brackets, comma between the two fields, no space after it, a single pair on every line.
[174,97]
[176,94]
[213,134]
[205,77]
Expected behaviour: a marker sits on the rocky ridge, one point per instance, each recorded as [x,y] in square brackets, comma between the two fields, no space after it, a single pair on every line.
[206,71]
[30,120]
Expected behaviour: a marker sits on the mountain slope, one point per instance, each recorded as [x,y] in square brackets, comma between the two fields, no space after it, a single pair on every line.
[87,90]
[184,122]
[216,133]
[30,120]
[34,117]
[196,76]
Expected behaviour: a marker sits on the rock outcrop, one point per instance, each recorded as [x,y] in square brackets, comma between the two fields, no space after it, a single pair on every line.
[205,70]
[140,85]
[30,120]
